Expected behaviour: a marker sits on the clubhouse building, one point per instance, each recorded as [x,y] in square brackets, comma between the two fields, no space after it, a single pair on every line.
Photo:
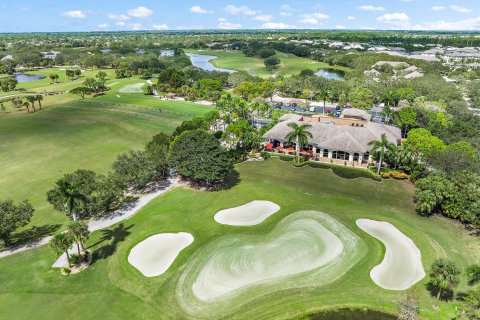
[342,140]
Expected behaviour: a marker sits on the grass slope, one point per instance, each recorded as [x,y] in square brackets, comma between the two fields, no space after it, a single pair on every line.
[113,289]
[290,64]
[68,134]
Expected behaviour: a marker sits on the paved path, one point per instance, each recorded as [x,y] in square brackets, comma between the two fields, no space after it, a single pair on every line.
[105,222]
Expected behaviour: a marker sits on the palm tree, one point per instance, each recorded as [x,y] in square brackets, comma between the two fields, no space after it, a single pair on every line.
[473,274]
[382,145]
[324,95]
[79,232]
[70,198]
[444,275]
[26,104]
[299,135]
[32,100]
[61,243]
[39,99]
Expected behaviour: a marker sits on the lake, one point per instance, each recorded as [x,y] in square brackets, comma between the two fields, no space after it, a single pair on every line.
[203,62]
[331,74]
[22,77]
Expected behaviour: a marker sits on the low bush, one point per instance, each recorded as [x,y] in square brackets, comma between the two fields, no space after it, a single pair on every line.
[345,171]
[394,174]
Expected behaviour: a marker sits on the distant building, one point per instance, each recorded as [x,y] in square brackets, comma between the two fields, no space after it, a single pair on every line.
[106,50]
[8,57]
[167,53]
[50,55]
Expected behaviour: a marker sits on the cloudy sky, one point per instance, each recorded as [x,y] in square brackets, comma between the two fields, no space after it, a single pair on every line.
[113,15]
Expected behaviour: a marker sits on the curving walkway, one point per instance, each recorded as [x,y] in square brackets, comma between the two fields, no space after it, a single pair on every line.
[102,223]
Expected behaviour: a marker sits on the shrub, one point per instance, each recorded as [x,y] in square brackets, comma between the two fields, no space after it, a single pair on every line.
[75,259]
[265,155]
[394,174]
[65,271]
[285,158]
[345,171]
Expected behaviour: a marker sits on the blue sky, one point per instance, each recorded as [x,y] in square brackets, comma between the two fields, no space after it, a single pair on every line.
[113,15]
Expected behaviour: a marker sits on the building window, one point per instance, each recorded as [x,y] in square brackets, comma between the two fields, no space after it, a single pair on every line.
[340,155]
[325,153]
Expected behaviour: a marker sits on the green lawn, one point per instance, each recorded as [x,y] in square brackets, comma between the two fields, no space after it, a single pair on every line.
[113,289]
[69,134]
[290,64]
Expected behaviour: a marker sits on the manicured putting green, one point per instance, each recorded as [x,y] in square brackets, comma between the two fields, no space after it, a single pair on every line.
[132,88]
[307,248]
[402,265]
[249,214]
[154,255]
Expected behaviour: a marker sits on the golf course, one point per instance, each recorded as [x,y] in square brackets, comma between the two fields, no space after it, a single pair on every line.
[290,64]
[112,281]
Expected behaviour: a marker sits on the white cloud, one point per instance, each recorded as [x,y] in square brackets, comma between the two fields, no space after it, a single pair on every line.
[438,8]
[397,19]
[244,10]
[339,26]
[263,17]
[370,7]
[467,24]
[78,14]
[120,23]
[103,25]
[121,17]
[140,12]
[285,14]
[135,26]
[350,18]
[314,18]
[160,26]
[277,25]
[460,9]
[224,24]
[199,10]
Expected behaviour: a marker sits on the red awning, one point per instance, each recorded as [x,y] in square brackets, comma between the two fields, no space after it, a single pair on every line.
[290,149]
[269,146]
[302,151]
[310,151]
[279,148]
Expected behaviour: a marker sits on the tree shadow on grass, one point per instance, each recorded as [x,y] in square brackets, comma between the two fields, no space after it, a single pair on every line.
[114,237]
[33,234]
[446,295]
[231,180]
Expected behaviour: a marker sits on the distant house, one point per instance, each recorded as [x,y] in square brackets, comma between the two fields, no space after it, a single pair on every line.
[105,50]
[167,53]
[341,140]
[50,54]
[8,57]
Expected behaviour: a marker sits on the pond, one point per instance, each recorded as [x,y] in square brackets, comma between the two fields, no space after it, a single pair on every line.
[349,314]
[331,74]
[203,62]
[22,77]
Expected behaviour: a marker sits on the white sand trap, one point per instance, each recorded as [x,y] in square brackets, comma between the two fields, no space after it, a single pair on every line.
[402,265]
[133,88]
[307,248]
[249,214]
[154,255]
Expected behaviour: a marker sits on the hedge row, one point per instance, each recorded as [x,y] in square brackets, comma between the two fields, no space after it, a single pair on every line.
[343,171]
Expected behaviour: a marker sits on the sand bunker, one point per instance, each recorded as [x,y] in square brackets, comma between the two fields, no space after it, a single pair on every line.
[307,248]
[402,265]
[249,214]
[154,255]
[133,88]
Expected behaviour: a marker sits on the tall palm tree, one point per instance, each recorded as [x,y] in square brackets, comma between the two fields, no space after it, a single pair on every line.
[70,198]
[473,274]
[444,275]
[299,135]
[380,145]
[61,243]
[79,232]
[324,95]
[31,99]
[26,104]
[39,99]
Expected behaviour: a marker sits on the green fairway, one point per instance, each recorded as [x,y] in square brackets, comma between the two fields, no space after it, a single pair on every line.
[69,134]
[113,289]
[290,64]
